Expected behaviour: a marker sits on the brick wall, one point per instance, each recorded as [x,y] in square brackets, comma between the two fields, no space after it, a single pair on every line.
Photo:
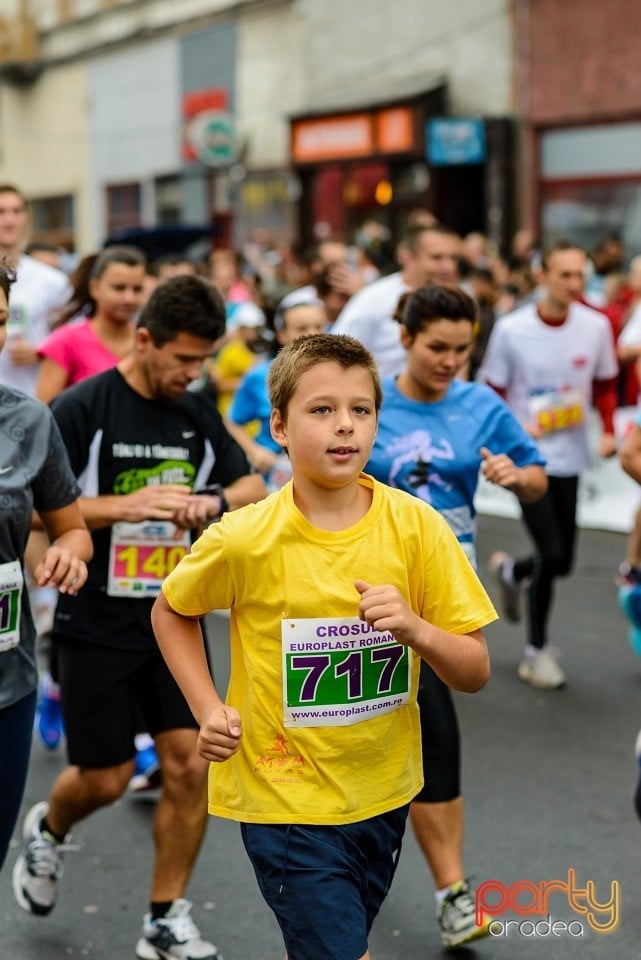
[584,62]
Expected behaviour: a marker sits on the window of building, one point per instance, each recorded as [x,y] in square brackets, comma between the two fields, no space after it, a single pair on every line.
[346,195]
[169,200]
[591,185]
[52,220]
[587,213]
[265,202]
[124,206]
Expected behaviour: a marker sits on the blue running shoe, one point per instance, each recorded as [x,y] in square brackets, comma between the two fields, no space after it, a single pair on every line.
[49,722]
[147,775]
[630,603]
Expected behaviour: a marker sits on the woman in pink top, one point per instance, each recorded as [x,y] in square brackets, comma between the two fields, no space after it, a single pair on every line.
[106,303]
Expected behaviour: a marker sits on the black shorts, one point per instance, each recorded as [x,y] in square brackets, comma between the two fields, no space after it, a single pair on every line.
[104,692]
[440,739]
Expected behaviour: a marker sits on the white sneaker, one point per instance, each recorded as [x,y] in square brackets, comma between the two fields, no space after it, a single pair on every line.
[540,669]
[500,565]
[174,936]
[38,870]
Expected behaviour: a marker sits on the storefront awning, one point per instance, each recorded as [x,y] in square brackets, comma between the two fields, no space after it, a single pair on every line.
[349,96]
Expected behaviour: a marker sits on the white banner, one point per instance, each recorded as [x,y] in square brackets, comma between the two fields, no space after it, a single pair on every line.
[608,497]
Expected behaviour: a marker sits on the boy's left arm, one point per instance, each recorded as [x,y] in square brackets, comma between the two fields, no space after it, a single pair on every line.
[460,660]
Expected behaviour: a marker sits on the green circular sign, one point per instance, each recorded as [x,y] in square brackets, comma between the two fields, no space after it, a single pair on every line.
[213,137]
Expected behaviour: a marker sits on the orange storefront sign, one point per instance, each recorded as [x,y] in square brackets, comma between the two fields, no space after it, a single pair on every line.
[395,130]
[332,138]
[353,135]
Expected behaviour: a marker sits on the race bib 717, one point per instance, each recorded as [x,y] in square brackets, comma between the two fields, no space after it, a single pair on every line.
[339,671]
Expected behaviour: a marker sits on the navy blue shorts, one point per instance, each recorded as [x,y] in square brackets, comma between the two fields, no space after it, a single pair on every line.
[326,884]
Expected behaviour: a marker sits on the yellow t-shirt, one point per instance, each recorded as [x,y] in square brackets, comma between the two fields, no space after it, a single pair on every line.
[300,655]
[232,362]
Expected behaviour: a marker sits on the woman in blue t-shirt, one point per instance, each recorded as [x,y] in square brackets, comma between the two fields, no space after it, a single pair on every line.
[435,434]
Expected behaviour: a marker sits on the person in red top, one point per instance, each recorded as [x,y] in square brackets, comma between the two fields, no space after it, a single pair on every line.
[550,361]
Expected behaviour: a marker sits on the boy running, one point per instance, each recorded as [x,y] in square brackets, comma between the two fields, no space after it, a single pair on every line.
[338,585]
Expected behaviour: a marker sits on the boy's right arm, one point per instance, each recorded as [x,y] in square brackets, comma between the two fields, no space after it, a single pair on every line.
[181,643]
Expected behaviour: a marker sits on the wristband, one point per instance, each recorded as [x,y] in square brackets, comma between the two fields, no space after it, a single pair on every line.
[216,490]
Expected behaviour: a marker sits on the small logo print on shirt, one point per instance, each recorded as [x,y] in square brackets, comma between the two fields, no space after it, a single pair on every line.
[579,362]
[188,434]
[278,765]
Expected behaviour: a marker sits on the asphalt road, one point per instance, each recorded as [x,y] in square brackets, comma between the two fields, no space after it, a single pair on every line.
[548,782]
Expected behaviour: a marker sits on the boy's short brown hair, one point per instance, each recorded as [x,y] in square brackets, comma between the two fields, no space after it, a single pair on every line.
[306,352]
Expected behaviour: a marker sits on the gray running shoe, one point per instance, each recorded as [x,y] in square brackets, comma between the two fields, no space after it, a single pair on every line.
[38,870]
[174,937]
[456,916]
[510,590]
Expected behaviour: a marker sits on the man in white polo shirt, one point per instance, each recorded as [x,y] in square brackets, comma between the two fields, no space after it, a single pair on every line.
[429,254]
[550,361]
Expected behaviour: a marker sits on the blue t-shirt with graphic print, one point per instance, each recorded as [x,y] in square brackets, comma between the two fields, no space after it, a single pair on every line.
[432,450]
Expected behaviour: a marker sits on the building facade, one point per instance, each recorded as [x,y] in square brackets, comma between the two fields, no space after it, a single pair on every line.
[257,114]
[579,98]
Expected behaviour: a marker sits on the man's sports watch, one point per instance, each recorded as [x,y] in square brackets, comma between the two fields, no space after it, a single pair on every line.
[216,490]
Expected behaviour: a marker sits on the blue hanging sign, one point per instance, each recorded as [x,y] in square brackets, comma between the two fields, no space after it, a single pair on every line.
[455,140]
